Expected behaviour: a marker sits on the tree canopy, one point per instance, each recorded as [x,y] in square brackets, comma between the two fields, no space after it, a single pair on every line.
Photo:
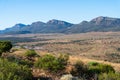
[5,46]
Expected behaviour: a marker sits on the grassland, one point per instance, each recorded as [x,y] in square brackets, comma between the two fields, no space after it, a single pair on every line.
[98,46]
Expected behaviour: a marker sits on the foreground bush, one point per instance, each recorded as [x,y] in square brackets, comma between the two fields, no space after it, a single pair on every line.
[5,46]
[98,68]
[79,69]
[91,70]
[52,63]
[19,61]
[13,71]
[109,76]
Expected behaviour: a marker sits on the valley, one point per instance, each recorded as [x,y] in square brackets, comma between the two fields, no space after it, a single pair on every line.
[95,45]
[100,47]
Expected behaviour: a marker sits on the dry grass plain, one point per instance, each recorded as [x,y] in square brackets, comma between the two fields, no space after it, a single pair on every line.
[103,47]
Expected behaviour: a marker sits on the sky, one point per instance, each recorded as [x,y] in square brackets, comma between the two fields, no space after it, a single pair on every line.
[27,11]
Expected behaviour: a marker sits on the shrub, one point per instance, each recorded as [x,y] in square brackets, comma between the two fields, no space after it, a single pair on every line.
[26,63]
[99,68]
[79,69]
[20,61]
[63,59]
[30,53]
[93,63]
[13,71]
[51,63]
[109,76]
[91,70]
[5,46]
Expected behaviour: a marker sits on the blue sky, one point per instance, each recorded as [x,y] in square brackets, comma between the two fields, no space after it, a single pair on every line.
[75,11]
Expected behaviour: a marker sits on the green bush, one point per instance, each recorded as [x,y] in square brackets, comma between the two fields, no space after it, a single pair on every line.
[30,53]
[63,59]
[91,70]
[13,71]
[5,46]
[109,76]
[20,61]
[79,69]
[99,68]
[26,63]
[52,63]
[93,63]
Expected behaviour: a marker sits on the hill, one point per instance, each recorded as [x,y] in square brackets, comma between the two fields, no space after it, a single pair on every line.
[52,26]
[99,24]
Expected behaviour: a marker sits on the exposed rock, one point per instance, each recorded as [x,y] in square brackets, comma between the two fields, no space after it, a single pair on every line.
[68,77]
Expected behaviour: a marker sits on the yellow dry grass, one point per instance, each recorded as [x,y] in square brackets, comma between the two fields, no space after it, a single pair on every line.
[19,52]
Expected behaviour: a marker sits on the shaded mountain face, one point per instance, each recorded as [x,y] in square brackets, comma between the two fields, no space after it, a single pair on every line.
[106,21]
[101,24]
[57,26]
[52,26]
[59,22]
[16,27]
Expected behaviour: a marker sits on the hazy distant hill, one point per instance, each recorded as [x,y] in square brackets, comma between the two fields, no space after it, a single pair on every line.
[58,26]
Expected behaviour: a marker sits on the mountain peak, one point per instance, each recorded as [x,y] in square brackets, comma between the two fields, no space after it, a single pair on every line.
[19,25]
[38,23]
[54,21]
[100,18]
[16,27]
[104,20]
[58,22]
[83,22]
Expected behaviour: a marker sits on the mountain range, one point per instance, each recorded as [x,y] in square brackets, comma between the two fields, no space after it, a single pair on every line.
[99,24]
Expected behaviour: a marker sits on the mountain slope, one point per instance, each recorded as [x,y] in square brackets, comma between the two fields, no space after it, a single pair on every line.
[57,26]
[97,24]
[52,26]
[15,28]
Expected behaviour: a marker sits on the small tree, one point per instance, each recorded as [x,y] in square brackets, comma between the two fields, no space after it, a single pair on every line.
[5,46]
[30,53]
